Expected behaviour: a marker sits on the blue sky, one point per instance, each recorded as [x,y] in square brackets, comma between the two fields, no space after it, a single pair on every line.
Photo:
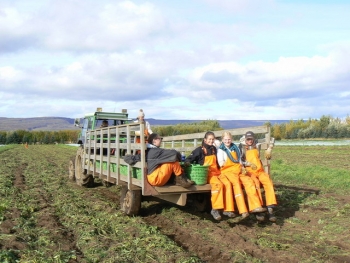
[194,59]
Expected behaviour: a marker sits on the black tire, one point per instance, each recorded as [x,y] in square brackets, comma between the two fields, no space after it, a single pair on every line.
[130,201]
[81,176]
[71,169]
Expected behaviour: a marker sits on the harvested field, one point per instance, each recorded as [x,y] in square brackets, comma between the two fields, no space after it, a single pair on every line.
[46,218]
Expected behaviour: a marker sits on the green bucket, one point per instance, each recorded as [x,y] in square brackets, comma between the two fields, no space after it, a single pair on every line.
[197,173]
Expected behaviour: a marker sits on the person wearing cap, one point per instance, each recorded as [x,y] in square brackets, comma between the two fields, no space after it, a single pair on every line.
[229,159]
[163,163]
[206,155]
[254,168]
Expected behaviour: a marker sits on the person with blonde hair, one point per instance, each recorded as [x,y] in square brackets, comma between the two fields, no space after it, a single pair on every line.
[141,119]
[206,155]
[229,159]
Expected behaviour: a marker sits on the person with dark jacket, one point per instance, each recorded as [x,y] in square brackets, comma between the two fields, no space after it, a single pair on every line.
[206,155]
[163,163]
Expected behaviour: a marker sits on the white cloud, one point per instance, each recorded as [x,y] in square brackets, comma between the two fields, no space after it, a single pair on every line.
[240,6]
[175,61]
[287,77]
[75,25]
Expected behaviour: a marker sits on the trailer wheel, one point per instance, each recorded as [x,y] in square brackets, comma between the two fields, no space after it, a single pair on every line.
[71,169]
[130,201]
[81,175]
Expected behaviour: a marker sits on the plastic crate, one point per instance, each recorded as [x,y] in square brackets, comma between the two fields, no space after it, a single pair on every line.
[123,170]
[197,173]
[136,172]
[98,165]
[113,167]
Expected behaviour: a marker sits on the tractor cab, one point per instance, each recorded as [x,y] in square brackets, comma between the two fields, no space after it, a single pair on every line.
[100,119]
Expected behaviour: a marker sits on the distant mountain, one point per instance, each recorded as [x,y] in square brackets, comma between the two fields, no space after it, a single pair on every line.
[61,123]
[36,124]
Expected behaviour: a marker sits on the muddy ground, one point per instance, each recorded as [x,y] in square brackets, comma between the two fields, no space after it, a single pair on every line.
[228,240]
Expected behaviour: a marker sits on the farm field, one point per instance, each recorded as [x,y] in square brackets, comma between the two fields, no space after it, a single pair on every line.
[44,217]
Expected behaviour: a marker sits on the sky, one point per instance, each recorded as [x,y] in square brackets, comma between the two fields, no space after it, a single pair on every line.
[183,59]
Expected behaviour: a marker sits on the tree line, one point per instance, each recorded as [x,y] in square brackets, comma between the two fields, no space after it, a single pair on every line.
[42,137]
[186,128]
[325,127]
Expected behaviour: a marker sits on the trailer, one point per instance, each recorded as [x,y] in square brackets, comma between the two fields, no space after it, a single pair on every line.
[101,155]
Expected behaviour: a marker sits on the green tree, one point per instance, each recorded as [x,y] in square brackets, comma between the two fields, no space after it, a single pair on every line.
[324,121]
[2,137]
[276,132]
[13,138]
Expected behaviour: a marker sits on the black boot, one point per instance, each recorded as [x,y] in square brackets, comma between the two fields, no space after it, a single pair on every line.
[188,180]
[181,180]
[260,216]
[172,179]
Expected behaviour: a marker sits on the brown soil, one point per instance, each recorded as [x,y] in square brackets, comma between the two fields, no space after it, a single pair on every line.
[222,240]
[47,219]
[237,234]
[241,234]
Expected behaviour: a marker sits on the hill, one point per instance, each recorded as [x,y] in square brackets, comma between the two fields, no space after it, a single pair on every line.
[61,123]
[38,123]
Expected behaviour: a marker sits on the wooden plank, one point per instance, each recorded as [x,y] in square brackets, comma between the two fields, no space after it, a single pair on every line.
[239,131]
[179,189]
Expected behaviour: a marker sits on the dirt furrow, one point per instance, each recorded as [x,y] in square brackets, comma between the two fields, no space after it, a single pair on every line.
[44,214]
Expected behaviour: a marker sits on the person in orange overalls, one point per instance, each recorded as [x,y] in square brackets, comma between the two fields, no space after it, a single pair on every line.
[231,167]
[148,131]
[206,155]
[250,156]
[163,163]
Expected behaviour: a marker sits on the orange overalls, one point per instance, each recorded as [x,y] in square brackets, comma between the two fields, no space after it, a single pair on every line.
[232,171]
[161,175]
[138,138]
[259,176]
[220,199]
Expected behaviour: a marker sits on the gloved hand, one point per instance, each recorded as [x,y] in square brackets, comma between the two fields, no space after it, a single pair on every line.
[252,165]
[187,164]
[268,153]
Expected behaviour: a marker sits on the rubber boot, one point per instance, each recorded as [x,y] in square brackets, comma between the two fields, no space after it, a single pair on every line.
[272,217]
[258,210]
[229,214]
[181,181]
[172,179]
[260,216]
[245,215]
[188,180]
[216,214]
